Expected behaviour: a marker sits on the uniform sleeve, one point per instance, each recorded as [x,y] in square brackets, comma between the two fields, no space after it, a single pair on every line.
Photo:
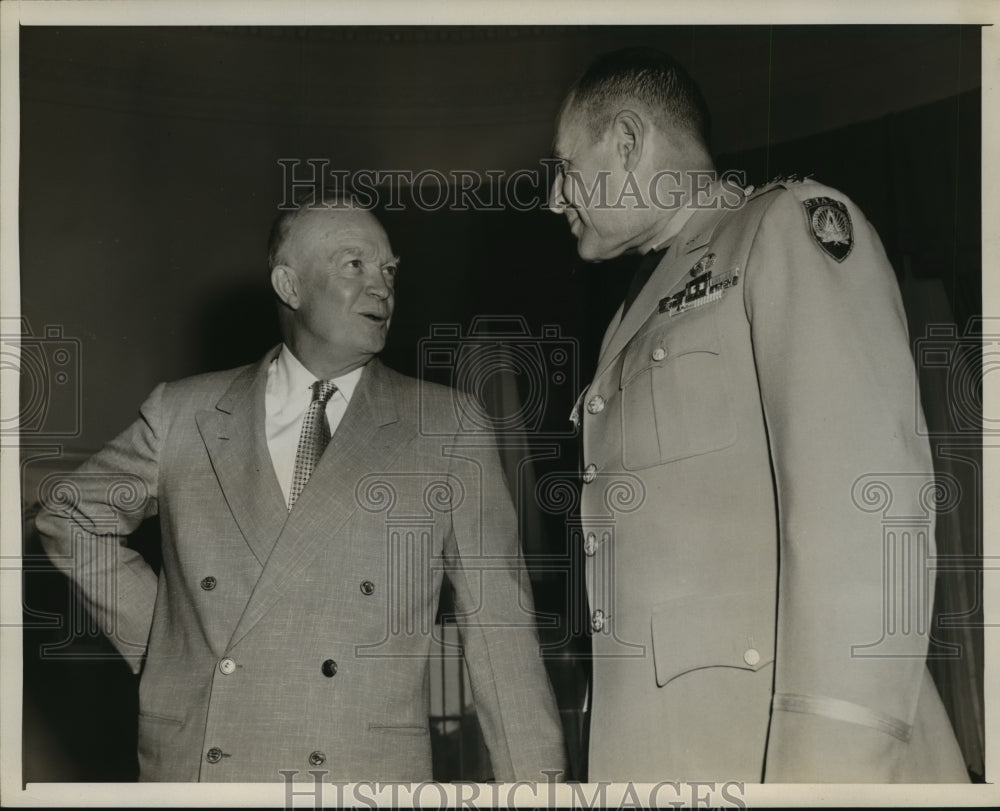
[852,472]
[85,518]
[514,700]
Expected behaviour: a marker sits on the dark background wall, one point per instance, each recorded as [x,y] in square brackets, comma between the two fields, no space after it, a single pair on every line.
[150,174]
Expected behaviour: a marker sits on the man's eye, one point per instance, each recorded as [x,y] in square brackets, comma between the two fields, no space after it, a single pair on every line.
[356,264]
[389,270]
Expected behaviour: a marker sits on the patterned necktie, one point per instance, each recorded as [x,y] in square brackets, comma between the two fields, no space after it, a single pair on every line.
[314,438]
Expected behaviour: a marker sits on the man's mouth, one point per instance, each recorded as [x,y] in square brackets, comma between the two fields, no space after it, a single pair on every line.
[375,318]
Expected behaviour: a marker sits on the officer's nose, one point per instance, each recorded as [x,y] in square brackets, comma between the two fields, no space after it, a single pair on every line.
[557,203]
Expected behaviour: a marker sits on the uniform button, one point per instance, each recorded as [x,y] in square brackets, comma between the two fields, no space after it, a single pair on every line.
[590,473]
[213,755]
[751,656]
[597,620]
[329,668]
[227,666]
[317,759]
[208,583]
[596,404]
[590,547]
[367,588]
[659,353]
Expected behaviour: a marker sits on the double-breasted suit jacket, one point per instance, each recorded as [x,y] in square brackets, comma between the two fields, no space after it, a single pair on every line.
[757,511]
[295,640]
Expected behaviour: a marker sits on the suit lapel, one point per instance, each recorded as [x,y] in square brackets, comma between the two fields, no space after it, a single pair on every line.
[234,436]
[686,249]
[367,439]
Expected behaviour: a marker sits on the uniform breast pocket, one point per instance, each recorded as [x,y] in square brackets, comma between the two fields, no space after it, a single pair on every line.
[675,394]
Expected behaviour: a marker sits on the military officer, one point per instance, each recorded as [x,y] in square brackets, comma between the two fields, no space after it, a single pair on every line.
[751,433]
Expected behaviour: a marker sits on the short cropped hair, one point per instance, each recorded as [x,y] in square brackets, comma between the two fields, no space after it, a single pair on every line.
[649,76]
[282,225]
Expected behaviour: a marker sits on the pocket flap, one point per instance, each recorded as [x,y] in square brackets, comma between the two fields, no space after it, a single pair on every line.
[400,729]
[670,337]
[159,718]
[725,630]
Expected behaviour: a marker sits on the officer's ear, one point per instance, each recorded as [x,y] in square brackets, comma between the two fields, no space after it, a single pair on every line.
[285,282]
[628,131]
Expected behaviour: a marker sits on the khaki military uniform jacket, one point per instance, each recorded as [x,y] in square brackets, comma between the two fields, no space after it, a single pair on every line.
[275,640]
[758,511]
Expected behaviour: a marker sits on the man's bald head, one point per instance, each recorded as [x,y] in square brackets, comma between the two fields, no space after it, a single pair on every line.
[280,240]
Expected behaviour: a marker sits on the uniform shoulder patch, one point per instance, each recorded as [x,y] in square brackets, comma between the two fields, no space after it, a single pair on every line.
[830,225]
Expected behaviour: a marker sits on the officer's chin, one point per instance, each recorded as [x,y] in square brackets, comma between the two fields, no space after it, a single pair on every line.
[590,251]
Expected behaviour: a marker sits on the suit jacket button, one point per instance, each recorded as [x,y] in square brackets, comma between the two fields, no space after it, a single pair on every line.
[597,620]
[317,759]
[329,668]
[227,666]
[596,404]
[590,473]
[751,656]
[590,547]
[367,588]
[659,353]
[213,755]
[208,583]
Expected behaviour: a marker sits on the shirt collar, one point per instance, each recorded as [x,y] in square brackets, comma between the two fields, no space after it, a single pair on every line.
[711,201]
[673,227]
[293,380]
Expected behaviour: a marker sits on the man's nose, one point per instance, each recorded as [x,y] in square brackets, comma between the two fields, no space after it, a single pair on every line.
[377,286]
[557,203]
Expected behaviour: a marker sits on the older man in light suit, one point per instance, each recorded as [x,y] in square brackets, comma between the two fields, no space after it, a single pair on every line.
[761,598]
[310,505]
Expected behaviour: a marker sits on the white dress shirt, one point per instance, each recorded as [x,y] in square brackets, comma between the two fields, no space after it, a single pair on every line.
[286,400]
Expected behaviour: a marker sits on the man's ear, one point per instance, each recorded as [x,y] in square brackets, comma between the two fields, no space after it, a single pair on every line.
[285,282]
[628,131]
